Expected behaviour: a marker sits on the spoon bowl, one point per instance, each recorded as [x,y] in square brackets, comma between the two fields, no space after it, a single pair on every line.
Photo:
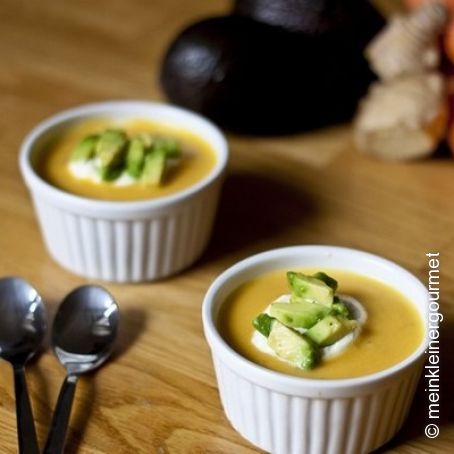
[83,335]
[85,329]
[23,325]
[23,321]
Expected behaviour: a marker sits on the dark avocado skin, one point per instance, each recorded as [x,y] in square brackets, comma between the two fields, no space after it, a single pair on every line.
[256,78]
[307,16]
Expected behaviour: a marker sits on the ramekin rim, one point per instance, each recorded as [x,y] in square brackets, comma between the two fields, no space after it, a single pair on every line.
[216,341]
[36,183]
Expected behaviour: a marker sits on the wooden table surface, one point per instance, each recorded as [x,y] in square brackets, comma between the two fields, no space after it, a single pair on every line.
[158,394]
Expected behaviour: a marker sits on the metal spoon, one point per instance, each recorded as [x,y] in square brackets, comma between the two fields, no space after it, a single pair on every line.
[23,324]
[83,334]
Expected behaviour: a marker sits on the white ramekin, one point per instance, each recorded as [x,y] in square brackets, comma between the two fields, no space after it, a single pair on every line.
[125,241]
[284,414]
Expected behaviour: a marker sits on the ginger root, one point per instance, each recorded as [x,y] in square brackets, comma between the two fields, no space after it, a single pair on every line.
[409,43]
[402,118]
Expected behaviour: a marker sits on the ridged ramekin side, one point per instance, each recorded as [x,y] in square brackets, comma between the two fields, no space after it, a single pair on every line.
[129,249]
[287,424]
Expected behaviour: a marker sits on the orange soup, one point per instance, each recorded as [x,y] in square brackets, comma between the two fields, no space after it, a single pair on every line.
[393,330]
[198,159]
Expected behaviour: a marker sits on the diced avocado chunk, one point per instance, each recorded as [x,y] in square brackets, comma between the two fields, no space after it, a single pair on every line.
[292,346]
[330,329]
[168,145]
[108,174]
[85,149]
[298,315]
[135,157]
[310,288]
[110,149]
[262,323]
[340,309]
[154,167]
[146,138]
[328,280]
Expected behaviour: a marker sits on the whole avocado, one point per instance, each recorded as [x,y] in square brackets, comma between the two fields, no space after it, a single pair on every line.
[256,77]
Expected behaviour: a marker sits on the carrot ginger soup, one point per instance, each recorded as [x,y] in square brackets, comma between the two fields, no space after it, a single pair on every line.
[392,330]
[125,160]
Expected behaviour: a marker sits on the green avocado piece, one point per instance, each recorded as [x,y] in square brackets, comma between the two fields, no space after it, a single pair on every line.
[146,138]
[328,280]
[154,167]
[85,149]
[309,288]
[262,323]
[330,329]
[292,346]
[110,149]
[108,174]
[135,157]
[298,315]
[169,145]
[340,309]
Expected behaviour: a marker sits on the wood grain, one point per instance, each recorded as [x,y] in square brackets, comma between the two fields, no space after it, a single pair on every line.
[158,394]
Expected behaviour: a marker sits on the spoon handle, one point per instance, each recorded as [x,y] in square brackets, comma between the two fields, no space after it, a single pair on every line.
[56,439]
[26,433]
